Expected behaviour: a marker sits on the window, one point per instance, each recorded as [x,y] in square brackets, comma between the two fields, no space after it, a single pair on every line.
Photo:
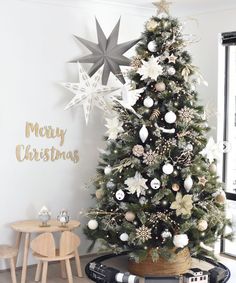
[228,41]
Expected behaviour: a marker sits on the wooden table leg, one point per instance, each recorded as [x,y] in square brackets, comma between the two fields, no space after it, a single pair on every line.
[17,245]
[25,258]
[78,265]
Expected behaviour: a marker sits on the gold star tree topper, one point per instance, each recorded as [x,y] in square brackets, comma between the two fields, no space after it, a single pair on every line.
[162,7]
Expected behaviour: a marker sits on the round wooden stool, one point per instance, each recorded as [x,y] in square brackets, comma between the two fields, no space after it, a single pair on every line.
[8,252]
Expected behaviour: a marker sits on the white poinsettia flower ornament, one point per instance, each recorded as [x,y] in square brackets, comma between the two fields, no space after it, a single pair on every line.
[211,151]
[150,69]
[114,127]
[136,184]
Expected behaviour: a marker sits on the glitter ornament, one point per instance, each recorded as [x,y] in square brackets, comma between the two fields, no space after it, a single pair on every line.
[148,102]
[202,225]
[170,117]
[180,241]
[171,71]
[188,183]
[151,25]
[155,184]
[110,185]
[168,168]
[107,170]
[120,195]
[166,234]
[92,224]
[124,237]
[138,150]
[175,187]
[143,200]
[143,133]
[152,46]
[129,216]
[160,87]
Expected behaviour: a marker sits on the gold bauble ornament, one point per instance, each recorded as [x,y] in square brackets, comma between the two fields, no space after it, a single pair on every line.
[175,187]
[129,216]
[99,194]
[220,198]
[202,225]
[151,25]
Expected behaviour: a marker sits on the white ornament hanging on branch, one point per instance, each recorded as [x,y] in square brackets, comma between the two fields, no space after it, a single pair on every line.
[170,117]
[155,184]
[107,170]
[188,183]
[148,102]
[168,169]
[92,224]
[143,134]
[120,195]
[124,237]
[152,46]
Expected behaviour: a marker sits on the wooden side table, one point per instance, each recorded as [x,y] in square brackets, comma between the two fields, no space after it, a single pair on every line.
[33,226]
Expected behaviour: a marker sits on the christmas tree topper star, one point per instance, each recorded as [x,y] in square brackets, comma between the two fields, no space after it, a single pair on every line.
[162,6]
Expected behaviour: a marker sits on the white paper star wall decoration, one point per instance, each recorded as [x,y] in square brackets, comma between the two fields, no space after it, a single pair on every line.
[211,151]
[136,184]
[89,92]
[106,52]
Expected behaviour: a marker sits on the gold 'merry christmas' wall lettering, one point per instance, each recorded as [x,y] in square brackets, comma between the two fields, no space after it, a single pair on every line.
[26,152]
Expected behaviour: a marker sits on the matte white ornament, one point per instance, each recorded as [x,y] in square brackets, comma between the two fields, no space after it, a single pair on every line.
[189,147]
[155,184]
[160,86]
[129,216]
[124,237]
[120,195]
[171,71]
[188,183]
[148,102]
[93,224]
[180,241]
[170,117]
[143,133]
[168,169]
[213,168]
[107,170]
[152,46]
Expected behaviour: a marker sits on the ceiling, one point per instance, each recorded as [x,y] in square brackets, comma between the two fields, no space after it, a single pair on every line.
[180,7]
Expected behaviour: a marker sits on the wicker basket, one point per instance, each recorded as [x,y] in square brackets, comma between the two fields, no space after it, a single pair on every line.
[178,266]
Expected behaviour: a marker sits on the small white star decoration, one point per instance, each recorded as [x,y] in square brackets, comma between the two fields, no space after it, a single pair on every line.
[89,92]
[136,184]
[162,6]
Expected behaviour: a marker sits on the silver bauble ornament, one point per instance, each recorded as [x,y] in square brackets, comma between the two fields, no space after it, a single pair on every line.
[124,237]
[120,195]
[170,117]
[160,87]
[129,216]
[143,133]
[171,71]
[168,168]
[107,170]
[155,184]
[188,183]
[92,224]
[110,185]
[152,46]
[143,200]
[148,102]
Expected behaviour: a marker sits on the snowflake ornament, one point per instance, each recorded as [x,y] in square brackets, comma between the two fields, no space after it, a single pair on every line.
[143,233]
[136,184]
[114,127]
[150,69]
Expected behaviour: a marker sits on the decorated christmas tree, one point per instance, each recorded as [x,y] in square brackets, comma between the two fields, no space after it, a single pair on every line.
[157,188]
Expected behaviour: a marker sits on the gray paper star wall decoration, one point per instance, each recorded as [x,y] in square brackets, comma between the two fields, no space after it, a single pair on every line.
[106,52]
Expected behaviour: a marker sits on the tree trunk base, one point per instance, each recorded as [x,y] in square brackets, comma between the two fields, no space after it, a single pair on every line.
[179,265]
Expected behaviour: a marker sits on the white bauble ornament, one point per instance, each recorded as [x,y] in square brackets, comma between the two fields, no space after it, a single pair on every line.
[180,241]
[202,225]
[155,184]
[129,216]
[152,46]
[124,237]
[168,168]
[148,102]
[189,147]
[213,168]
[120,195]
[93,224]
[170,117]
[166,234]
[143,133]
[171,71]
[107,170]
[188,183]
[160,86]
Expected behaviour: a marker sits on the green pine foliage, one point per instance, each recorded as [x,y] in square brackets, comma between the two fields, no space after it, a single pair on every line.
[204,221]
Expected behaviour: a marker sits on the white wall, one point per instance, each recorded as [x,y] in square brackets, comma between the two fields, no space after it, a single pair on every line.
[36,43]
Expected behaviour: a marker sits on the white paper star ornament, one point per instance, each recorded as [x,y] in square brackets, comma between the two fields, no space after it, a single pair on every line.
[211,151]
[89,92]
